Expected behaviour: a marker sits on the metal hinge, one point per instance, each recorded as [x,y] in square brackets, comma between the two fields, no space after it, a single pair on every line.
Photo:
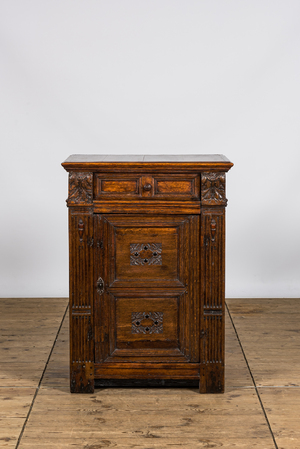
[100,286]
[203,333]
[90,241]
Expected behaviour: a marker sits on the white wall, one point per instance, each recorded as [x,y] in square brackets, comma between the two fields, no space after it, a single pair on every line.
[153,76]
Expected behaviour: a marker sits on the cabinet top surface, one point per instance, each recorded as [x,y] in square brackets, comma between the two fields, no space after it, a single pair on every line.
[89,161]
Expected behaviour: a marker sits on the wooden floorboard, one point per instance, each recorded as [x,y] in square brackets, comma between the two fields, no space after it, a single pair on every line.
[10,429]
[259,409]
[283,409]
[28,330]
[269,332]
[147,417]
[15,402]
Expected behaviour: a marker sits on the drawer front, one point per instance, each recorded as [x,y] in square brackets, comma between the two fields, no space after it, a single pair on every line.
[110,186]
[179,186]
[176,186]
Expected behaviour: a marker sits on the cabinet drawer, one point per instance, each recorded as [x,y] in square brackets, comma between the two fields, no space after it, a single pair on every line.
[149,186]
[110,186]
[176,186]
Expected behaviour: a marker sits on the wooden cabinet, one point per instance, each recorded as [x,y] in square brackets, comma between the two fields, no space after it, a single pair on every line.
[147,269]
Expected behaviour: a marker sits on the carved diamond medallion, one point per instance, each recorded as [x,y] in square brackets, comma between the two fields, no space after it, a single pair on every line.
[147,322]
[145,254]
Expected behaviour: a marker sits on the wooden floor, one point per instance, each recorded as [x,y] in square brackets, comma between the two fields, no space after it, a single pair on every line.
[260,408]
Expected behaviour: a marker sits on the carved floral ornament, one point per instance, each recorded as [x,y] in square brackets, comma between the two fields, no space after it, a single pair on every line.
[80,187]
[213,189]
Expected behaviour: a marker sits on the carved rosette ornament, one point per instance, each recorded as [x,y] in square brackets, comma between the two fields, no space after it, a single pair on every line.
[213,189]
[80,188]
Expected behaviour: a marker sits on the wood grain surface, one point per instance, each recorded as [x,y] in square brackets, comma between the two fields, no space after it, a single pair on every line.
[28,328]
[257,410]
[147,269]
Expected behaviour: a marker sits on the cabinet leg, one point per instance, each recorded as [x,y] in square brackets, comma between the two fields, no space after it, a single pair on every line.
[82,378]
[211,378]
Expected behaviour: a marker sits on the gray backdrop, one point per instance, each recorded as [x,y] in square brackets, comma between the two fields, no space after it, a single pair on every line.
[153,76]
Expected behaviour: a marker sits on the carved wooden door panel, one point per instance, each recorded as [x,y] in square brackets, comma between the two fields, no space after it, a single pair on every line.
[147,305]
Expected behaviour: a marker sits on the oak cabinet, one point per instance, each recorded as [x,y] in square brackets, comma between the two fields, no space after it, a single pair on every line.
[147,269]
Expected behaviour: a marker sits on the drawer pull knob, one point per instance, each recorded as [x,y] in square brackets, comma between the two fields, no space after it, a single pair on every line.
[147,187]
[100,286]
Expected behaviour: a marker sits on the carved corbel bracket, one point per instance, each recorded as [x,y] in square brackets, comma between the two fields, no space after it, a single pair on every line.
[213,189]
[80,188]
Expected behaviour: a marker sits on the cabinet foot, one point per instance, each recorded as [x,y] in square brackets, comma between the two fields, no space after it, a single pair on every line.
[82,378]
[211,378]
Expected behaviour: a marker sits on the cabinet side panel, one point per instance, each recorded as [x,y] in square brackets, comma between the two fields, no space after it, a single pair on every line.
[213,300]
[193,288]
[103,325]
[81,300]
[189,311]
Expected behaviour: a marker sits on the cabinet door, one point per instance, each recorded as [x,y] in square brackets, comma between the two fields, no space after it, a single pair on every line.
[148,308]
